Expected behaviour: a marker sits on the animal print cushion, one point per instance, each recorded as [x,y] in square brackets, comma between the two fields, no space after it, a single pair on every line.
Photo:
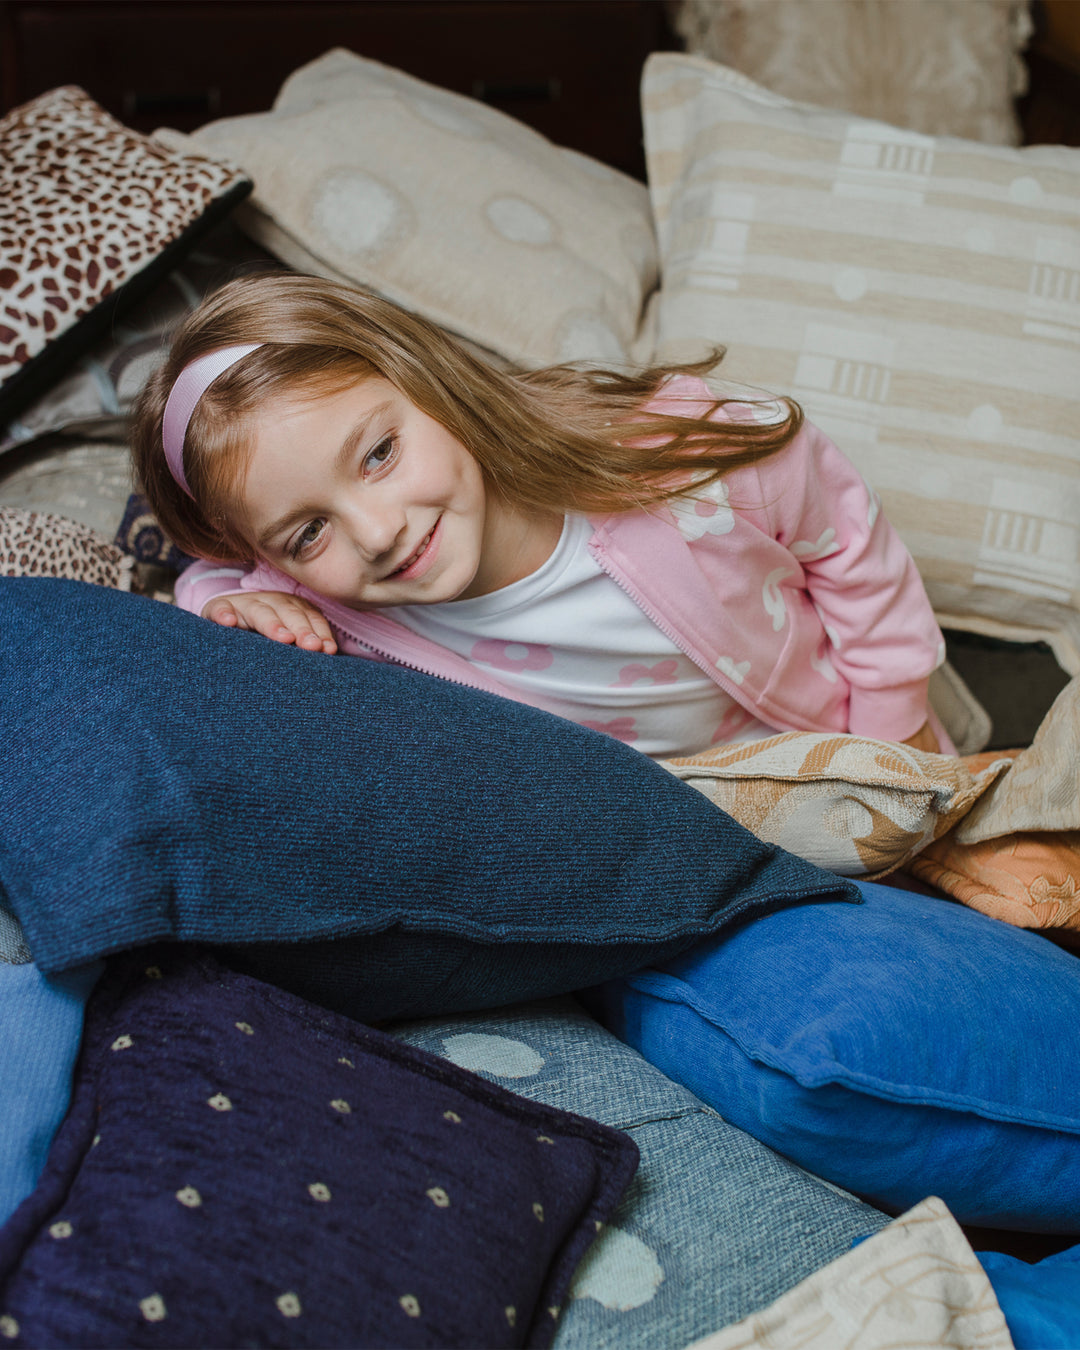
[33,544]
[89,212]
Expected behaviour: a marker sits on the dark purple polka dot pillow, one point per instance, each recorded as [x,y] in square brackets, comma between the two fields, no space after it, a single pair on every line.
[242,1168]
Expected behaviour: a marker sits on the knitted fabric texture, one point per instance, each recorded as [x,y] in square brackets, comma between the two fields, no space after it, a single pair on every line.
[169,778]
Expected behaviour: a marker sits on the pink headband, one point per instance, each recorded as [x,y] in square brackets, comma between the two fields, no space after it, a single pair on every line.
[192,382]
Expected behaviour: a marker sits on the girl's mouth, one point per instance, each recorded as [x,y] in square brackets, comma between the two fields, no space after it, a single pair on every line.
[421,558]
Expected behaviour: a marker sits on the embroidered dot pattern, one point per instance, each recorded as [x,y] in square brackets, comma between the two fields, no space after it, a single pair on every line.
[153,1308]
[443,1199]
[289,1305]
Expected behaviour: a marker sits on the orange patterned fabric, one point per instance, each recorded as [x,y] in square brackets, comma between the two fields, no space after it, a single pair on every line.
[1030,879]
[1016,854]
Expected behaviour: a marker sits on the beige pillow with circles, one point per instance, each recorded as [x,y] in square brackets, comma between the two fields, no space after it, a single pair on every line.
[367,175]
[919,295]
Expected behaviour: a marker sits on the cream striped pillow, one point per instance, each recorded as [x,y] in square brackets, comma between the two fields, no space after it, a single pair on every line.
[920,296]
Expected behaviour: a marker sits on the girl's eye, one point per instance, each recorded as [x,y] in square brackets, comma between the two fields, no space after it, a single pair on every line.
[380,454]
[308,536]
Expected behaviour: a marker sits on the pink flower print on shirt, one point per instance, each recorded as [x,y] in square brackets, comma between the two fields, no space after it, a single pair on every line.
[663,672]
[732,722]
[516,656]
[622,728]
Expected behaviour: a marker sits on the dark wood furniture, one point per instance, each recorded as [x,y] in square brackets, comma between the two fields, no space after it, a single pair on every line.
[1050,110]
[569,68]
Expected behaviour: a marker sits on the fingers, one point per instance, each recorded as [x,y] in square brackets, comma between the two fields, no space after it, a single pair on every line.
[224,612]
[276,615]
[316,635]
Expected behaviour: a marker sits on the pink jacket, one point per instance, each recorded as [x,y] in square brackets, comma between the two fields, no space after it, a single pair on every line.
[785,584]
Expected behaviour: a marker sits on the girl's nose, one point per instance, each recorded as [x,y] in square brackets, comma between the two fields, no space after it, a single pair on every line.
[376,528]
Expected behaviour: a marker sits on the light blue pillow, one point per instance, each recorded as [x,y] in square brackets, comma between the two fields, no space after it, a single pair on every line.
[714,1225]
[901,1048]
[42,1021]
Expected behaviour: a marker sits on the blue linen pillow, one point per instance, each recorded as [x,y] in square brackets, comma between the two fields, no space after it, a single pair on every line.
[42,1021]
[714,1226]
[901,1048]
[239,1167]
[378,840]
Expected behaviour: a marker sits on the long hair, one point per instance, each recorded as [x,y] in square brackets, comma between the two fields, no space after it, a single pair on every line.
[560,438]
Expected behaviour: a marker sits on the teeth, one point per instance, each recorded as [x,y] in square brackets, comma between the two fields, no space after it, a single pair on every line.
[413,556]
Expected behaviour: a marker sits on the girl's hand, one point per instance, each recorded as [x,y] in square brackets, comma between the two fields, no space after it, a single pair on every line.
[276,615]
[924,739]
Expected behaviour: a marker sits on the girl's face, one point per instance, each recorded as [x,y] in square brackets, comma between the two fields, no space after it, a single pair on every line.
[367,500]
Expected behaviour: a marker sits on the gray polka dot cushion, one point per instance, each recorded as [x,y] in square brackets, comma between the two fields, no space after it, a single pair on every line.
[714,1226]
[239,1168]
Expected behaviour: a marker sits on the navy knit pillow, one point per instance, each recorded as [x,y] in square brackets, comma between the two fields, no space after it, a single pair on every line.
[241,1168]
[381,841]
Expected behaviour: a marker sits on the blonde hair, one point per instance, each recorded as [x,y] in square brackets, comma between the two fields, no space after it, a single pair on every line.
[561,438]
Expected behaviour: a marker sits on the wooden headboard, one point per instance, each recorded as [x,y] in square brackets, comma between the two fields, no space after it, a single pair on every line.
[569,68]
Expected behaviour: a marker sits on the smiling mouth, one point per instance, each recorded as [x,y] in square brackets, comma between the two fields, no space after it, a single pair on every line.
[415,556]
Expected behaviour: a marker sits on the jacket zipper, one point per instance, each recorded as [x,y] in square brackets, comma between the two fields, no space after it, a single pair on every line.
[392,659]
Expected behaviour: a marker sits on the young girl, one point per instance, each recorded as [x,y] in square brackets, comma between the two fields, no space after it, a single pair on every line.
[624,550]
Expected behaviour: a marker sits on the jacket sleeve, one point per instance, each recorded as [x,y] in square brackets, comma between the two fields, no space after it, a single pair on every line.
[861,579]
[202,582]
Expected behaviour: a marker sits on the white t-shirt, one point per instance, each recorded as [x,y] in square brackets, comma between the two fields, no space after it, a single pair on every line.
[569,634]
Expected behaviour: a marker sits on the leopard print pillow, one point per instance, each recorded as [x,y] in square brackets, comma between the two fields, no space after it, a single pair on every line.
[89,211]
[33,544]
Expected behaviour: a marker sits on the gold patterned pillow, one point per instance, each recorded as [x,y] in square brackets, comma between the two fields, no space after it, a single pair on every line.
[1042,790]
[854,806]
[92,214]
